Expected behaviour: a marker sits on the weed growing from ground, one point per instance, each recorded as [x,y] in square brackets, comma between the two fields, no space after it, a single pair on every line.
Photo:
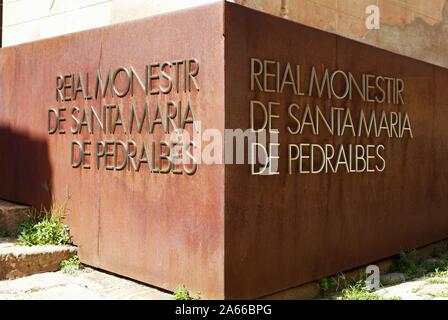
[71,265]
[408,265]
[413,268]
[324,285]
[182,293]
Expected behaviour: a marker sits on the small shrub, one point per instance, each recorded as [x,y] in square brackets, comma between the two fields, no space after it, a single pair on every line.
[412,268]
[358,291]
[182,293]
[437,281]
[71,265]
[33,289]
[325,287]
[403,262]
[438,273]
[47,230]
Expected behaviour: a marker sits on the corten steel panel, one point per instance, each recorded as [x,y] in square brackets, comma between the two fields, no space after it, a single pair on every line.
[163,229]
[282,231]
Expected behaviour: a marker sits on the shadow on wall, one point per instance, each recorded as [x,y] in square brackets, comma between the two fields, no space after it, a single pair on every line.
[25,171]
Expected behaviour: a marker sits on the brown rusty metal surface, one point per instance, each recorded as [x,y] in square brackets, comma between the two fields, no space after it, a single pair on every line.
[282,231]
[163,229]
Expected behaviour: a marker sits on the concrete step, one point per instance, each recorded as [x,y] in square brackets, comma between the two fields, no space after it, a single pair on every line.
[11,215]
[18,261]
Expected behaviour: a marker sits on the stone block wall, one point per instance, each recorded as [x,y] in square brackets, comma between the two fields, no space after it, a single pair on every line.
[415,28]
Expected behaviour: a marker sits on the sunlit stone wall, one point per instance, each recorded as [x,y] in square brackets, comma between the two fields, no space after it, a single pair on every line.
[416,28]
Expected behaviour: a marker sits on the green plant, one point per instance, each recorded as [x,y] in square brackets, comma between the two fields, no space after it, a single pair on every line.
[409,266]
[324,286]
[70,265]
[439,276]
[440,251]
[182,293]
[47,230]
[436,281]
[443,294]
[358,291]
[438,273]
[417,289]
[33,289]
[340,281]
[390,282]
[412,268]
[433,265]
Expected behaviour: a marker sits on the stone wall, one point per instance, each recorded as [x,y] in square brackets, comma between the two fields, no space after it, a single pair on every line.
[28,20]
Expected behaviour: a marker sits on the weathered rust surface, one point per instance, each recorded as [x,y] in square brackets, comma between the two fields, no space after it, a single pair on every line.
[12,215]
[282,231]
[163,229]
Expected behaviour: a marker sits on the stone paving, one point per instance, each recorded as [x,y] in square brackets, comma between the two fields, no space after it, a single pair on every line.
[85,284]
[91,284]
[427,288]
[18,261]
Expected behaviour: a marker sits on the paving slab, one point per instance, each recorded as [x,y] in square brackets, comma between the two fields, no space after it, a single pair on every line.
[19,261]
[427,288]
[11,215]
